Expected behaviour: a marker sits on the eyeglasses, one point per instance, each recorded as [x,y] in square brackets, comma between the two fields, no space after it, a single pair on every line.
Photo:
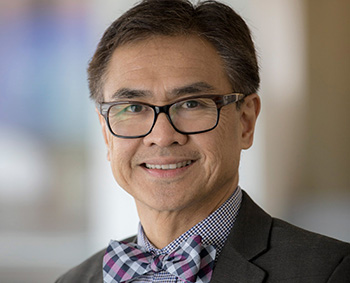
[190,115]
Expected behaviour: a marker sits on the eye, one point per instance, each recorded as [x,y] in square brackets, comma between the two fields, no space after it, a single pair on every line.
[190,104]
[134,108]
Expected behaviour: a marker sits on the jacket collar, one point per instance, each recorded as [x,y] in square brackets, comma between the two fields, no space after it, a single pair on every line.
[248,239]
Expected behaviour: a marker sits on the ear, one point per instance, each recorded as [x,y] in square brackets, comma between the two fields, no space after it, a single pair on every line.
[105,132]
[249,110]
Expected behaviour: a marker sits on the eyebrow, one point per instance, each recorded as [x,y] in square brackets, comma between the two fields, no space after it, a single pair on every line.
[128,93]
[194,88]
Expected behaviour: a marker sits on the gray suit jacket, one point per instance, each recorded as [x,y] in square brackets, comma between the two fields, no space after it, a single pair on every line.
[259,249]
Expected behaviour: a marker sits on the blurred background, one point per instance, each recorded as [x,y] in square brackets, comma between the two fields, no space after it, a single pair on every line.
[58,200]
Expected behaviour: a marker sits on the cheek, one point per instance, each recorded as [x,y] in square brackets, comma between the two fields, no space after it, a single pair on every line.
[222,147]
[229,130]
[121,154]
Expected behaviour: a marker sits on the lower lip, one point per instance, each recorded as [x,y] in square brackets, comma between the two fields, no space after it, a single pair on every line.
[170,173]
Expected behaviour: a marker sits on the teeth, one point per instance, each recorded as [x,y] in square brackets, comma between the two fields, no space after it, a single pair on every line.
[168,166]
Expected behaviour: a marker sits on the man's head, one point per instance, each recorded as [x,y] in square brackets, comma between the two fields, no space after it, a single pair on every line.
[167,170]
[210,20]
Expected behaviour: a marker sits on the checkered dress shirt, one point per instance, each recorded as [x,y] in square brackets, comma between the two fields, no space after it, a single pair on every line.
[214,230]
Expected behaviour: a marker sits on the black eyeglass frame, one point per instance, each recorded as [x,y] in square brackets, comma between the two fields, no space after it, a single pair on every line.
[219,100]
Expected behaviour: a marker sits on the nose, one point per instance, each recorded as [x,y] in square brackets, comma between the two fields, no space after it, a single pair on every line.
[163,134]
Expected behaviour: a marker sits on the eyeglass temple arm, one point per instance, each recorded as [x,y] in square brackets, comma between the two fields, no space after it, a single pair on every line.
[100,107]
[232,98]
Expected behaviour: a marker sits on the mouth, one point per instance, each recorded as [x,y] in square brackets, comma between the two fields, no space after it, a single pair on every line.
[172,166]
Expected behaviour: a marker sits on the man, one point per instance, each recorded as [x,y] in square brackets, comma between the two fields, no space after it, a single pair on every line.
[176,91]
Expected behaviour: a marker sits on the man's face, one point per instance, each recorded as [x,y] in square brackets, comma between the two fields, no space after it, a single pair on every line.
[161,70]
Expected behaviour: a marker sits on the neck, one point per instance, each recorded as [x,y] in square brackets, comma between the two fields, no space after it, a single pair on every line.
[163,227]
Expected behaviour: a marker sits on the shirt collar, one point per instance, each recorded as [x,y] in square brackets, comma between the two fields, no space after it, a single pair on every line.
[214,229]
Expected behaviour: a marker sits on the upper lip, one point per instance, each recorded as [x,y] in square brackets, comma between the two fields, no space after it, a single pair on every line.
[165,161]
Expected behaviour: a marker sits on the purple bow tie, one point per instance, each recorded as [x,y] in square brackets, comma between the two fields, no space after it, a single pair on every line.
[191,261]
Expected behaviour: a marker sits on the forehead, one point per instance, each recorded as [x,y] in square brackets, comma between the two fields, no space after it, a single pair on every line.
[160,65]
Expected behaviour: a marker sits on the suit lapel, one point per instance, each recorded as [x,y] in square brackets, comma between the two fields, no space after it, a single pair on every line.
[247,240]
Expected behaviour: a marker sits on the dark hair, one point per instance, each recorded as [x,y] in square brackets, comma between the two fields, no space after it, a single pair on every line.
[211,20]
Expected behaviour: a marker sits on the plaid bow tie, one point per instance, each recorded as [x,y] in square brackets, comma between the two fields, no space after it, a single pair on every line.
[191,261]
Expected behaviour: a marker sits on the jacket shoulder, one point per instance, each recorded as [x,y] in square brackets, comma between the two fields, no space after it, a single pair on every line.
[285,253]
[288,235]
[89,271]
[305,254]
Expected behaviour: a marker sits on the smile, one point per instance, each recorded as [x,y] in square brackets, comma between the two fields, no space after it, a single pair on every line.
[168,166]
